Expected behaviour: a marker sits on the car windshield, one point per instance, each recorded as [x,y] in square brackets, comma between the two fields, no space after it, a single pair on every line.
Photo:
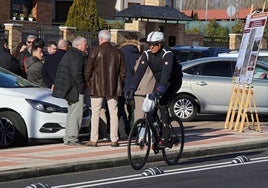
[11,80]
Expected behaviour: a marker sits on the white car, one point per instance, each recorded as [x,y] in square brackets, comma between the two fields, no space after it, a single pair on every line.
[28,112]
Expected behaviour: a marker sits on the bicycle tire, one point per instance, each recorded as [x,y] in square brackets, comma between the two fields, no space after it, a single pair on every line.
[172,154]
[139,144]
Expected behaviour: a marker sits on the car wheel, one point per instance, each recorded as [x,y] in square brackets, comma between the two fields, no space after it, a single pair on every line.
[12,128]
[184,107]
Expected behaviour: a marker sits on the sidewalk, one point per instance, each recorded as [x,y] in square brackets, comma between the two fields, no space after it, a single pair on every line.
[201,138]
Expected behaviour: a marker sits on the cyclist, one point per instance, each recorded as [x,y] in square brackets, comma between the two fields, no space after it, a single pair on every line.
[167,73]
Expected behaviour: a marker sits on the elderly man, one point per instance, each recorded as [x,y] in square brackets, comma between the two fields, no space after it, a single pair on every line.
[70,85]
[105,74]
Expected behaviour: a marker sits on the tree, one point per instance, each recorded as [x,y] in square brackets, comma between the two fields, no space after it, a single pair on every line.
[238,28]
[194,30]
[213,29]
[83,15]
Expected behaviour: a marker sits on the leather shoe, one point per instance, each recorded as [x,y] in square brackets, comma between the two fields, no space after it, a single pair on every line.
[114,144]
[91,143]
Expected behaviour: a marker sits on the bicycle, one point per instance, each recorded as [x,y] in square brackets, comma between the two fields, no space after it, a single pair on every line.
[147,131]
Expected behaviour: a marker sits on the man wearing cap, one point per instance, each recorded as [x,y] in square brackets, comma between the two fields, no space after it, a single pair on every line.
[167,73]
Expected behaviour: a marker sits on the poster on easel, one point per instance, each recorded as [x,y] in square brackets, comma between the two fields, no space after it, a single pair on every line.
[249,48]
[242,103]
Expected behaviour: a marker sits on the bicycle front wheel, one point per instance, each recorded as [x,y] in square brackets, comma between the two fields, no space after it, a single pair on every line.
[173,152]
[139,144]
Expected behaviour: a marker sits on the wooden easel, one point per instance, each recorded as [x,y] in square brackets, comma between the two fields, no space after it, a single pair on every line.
[247,102]
[240,106]
[233,106]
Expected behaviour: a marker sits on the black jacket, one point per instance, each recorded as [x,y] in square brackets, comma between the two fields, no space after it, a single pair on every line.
[50,67]
[24,55]
[167,72]
[163,64]
[8,62]
[69,81]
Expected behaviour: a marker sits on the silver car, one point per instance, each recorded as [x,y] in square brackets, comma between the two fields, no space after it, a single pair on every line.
[207,87]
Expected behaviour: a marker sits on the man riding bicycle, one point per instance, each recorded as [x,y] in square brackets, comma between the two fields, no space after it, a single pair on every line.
[167,73]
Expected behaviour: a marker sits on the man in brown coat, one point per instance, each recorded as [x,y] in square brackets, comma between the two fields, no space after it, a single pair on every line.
[104,75]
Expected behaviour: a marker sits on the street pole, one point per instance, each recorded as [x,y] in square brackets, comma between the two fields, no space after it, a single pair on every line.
[206,10]
[180,5]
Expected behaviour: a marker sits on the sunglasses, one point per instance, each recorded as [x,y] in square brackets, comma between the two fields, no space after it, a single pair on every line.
[154,43]
[29,42]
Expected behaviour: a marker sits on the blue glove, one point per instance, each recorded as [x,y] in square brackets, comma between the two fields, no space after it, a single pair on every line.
[129,94]
[161,89]
[151,96]
[154,95]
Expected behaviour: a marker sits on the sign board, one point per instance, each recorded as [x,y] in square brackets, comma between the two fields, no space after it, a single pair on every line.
[249,48]
[231,11]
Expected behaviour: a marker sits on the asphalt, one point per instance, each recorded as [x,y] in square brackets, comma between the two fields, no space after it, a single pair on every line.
[202,138]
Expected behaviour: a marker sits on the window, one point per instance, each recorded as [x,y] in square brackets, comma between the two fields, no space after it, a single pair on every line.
[21,7]
[191,70]
[219,68]
[260,73]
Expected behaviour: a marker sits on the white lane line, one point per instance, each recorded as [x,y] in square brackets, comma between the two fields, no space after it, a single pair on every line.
[166,173]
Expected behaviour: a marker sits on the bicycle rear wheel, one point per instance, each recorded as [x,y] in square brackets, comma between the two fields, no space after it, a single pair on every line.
[173,153]
[139,144]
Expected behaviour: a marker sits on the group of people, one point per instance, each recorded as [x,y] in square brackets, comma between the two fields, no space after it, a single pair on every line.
[107,75]
[34,60]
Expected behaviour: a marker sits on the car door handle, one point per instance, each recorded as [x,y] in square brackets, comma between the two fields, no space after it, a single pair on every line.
[202,83]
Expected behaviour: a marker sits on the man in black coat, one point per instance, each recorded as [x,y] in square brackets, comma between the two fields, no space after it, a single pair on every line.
[51,63]
[70,85]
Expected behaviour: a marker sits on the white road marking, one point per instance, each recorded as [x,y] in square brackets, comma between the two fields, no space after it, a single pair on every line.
[166,173]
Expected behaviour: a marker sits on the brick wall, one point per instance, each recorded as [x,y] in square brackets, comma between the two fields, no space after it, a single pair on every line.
[105,6]
[44,11]
[4,11]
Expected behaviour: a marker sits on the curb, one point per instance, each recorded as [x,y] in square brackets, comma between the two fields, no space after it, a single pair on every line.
[122,161]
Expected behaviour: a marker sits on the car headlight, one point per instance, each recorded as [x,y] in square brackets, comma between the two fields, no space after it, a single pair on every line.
[45,107]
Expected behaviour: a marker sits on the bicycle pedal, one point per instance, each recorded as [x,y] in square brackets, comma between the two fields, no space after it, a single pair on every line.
[155,148]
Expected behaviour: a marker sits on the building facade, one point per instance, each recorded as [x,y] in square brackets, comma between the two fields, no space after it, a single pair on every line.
[56,11]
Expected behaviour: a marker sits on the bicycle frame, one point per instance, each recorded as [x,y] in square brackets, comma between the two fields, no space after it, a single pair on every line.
[150,119]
